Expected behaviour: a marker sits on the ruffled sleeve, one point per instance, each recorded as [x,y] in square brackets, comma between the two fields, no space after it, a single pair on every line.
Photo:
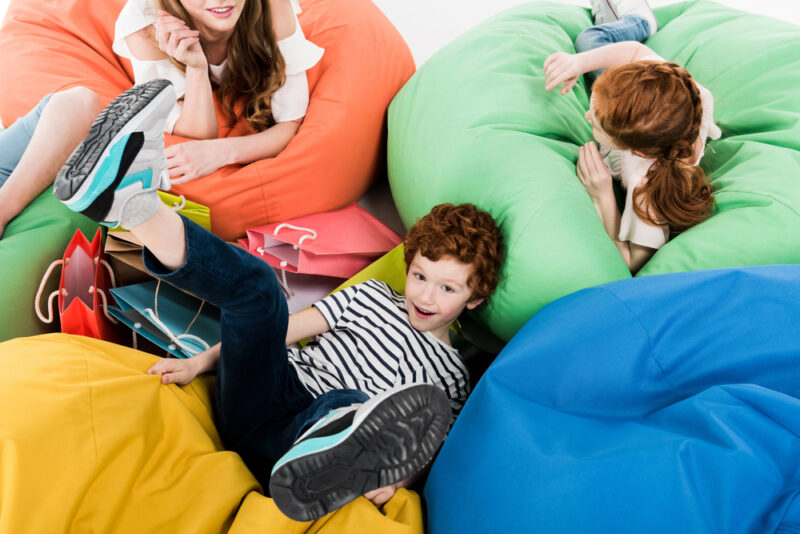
[290,102]
[135,15]
[708,128]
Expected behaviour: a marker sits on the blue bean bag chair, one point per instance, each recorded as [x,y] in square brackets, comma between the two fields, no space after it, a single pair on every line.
[668,403]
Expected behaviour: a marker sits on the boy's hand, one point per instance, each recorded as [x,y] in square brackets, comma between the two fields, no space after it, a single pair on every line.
[175,371]
[180,42]
[561,67]
[593,173]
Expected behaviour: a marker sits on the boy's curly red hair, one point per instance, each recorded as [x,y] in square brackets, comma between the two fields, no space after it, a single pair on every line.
[467,234]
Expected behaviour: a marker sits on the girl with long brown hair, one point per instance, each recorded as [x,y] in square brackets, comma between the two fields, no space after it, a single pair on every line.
[253,52]
[652,120]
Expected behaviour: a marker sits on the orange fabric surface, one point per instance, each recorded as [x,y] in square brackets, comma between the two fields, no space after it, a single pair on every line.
[47,45]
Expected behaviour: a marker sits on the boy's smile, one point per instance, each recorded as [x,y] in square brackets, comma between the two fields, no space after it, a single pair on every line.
[437,293]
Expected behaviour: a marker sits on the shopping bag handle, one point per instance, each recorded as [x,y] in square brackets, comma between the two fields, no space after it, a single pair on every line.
[179,206]
[311,235]
[36,308]
[92,289]
[176,340]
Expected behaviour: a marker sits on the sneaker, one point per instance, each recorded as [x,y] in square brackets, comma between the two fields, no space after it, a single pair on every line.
[360,448]
[605,11]
[122,157]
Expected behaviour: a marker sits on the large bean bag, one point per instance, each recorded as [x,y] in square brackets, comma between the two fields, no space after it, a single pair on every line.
[48,46]
[31,241]
[90,443]
[475,124]
[667,404]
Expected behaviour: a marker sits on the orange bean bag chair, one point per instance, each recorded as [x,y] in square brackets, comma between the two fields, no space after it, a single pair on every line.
[49,46]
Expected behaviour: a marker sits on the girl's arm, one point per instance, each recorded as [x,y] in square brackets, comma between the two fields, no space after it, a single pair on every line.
[635,256]
[562,67]
[307,323]
[596,178]
[195,159]
[198,118]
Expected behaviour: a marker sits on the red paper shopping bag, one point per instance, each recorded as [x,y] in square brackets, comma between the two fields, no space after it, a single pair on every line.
[83,291]
[334,243]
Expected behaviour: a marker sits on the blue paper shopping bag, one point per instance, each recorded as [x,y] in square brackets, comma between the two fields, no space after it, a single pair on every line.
[180,323]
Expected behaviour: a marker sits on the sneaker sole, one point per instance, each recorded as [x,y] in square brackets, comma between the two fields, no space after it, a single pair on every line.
[124,115]
[392,442]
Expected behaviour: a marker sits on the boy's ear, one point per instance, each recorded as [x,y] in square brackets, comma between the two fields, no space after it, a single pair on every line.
[472,304]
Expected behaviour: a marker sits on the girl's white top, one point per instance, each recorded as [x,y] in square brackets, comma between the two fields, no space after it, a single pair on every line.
[290,102]
[631,169]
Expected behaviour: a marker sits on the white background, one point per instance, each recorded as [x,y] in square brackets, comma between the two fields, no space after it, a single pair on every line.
[427,25]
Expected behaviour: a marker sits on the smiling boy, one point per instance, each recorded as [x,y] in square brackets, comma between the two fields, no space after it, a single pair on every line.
[371,396]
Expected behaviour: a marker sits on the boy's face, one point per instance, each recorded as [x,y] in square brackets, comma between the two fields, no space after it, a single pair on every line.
[437,293]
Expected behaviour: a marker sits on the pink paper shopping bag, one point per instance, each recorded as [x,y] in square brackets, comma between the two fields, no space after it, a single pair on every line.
[334,243]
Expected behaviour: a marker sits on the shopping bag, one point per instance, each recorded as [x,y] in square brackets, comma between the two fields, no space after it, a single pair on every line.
[303,290]
[124,252]
[178,322]
[334,243]
[82,291]
[191,210]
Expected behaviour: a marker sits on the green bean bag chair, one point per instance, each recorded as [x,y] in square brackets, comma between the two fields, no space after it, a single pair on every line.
[31,241]
[475,124]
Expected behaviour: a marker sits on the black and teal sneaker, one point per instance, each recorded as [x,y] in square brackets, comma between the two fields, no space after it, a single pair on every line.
[122,156]
[360,448]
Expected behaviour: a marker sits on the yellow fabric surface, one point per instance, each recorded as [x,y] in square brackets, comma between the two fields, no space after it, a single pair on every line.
[389,268]
[89,443]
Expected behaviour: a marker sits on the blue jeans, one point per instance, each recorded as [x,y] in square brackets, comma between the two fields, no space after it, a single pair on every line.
[261,405]
[14,140]
[628,28]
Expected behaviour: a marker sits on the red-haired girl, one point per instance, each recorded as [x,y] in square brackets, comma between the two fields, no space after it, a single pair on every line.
[652,120]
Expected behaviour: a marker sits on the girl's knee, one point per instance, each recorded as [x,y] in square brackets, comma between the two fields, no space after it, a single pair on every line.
[80,99]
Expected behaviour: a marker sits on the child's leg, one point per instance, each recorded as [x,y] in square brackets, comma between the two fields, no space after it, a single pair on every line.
[112,177]
[261,405]
[34,148]
[629,28]
[616,21]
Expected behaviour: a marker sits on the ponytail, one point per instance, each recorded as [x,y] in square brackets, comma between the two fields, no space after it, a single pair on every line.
[676,194]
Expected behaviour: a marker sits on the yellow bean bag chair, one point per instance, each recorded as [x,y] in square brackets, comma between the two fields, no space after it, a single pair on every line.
[90,443]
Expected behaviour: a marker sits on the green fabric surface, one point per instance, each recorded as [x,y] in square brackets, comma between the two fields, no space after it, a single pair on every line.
[37,237]
[474,124]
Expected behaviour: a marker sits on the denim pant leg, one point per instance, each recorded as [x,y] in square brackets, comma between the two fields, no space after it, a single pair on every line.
[14,139]
[628,28]
[261,405]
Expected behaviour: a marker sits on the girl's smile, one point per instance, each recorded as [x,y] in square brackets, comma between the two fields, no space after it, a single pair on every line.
[221,12]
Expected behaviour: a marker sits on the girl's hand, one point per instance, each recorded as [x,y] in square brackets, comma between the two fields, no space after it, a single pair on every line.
[175,371]
[194,159]
[180,42]
[593,173]
[561,67]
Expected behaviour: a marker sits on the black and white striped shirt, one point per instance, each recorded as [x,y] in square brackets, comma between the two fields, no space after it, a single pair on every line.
[372,347]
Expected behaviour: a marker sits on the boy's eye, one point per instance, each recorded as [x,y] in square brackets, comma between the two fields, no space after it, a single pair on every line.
[447,289]
[419,277]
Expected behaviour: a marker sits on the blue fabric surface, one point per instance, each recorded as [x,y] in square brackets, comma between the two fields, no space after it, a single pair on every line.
[662,404]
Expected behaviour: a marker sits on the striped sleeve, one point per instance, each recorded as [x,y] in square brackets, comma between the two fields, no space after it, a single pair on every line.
[333,306]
